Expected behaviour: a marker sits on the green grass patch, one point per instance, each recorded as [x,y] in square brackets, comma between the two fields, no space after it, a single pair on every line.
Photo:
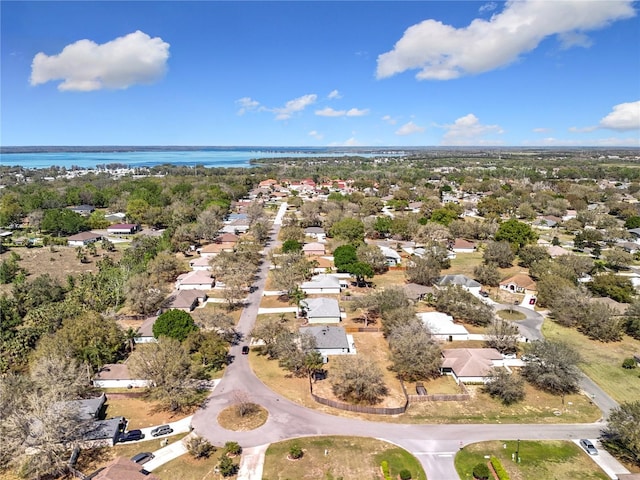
[602,362]
[332,457]
[549,460]
[188,468]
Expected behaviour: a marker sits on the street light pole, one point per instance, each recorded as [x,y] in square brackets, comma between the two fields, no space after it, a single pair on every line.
[518,452]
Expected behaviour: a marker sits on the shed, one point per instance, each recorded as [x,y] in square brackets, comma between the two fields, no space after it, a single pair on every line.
[123,228]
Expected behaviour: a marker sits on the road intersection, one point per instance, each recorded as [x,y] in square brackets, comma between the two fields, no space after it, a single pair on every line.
[434,445]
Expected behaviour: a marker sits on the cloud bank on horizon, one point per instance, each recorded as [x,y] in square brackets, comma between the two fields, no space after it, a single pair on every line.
[443,52]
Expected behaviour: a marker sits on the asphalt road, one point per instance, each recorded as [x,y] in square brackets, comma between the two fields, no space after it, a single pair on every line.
[434,445]
[530,326]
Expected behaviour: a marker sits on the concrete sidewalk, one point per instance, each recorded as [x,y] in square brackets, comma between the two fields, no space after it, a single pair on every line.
[252,463]
[168,453]
[262,311]
[605,460]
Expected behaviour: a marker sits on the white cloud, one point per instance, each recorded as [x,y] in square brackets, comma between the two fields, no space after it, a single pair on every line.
[247,104]
[84,65]
[443,52]
[488,7]
[468,130]
[582,129]
[574,39]
[334,94]
[409,129]
[293,106]
[316,135]
[351,142]
[625,116]
[389,119]
[330,112]
[541,130]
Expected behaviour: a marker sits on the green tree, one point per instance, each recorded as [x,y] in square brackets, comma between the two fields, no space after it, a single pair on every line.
[414,354]
[349,229]
[372,256]
[463,305]
[613,286]
[622,433]
[530,254]
[518,234]
[487,274]
[508,387]
[291,246]
[423,270]
[552,366]
[344,255]
[174,324]
[498,253]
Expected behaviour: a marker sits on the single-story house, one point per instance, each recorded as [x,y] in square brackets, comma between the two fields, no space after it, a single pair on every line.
[213,249]
[470,365]
[629,247]
[460,245]
[227,238]
[442,326]
[84,210]
[185,300]
[195,280]
[117,217]
[519,283]
[200,263]
[393,257]
[236,225]
[314,248]
[122,468]
[145,331]
[102,433]
[315,232]
[116,375]
[557,251]
[321,283]
[463,281]
[83,238]
[123,228]
[329,340]
[89,408]
[322,310]
[417,292]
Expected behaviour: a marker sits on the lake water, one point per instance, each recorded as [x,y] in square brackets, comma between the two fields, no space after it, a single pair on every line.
[208,158]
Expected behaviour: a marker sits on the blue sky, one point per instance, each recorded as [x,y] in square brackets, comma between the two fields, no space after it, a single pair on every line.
[304,73]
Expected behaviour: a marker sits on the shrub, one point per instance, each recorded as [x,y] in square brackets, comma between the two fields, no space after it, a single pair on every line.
[481,472]
[200,447]
[405,474]
[385,470]
[500,471]
[232,448]
[629,363]
[295,452]
[227,467]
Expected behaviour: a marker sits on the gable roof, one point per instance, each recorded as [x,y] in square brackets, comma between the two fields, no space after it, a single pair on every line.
[328,337]
[146,329]
[198,277]
[322,307]
[522,280]
[322,281]
[186,298]
[415,290]
[314,230]
[122,468]
[462,243]
[390,253]
[113,371]
[313,246]
[470,362]
[458,279]
[84,236]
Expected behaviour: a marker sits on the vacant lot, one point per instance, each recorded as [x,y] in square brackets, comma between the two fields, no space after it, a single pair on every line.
[338,457]
[602,362]
[188,468]
[538,460]
[140,412]
[59,262]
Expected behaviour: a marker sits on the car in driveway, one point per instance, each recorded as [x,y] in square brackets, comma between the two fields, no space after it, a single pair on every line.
[142,457]
[245,350]
[588,446]
[161,430]
[131,436]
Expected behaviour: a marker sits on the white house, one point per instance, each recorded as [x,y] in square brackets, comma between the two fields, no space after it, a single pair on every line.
[316,232]
[460,245]
[195,280]
[314,248]
[470,365]
[329,340]
[465,282]
[145,331]
[519,283]
[393,257]
[322,310]
[117,375]
[83,238]
[321,283]
[200,264]
[443,327]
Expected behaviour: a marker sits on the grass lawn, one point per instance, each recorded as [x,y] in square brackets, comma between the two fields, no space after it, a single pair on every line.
[347,457]
[141,413]
[391,278]
[188,468]
[213,308]
[602,361]
[548,460]
[513,315]
[230,419]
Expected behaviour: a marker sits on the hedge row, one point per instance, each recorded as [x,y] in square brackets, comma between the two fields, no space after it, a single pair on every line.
[385,470]
[499,469]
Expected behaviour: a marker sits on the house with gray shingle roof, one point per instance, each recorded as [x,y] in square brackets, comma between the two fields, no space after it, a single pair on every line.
[329,340]
[465,282]
[322,310]
[321,283]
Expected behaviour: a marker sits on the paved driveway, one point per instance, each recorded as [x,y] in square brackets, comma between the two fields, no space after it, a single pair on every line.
[530,326]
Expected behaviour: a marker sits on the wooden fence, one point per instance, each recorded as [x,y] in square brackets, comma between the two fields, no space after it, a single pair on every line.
[362,329]
[359,408]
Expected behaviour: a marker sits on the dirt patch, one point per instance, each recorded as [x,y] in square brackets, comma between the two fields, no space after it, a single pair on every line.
[229,418]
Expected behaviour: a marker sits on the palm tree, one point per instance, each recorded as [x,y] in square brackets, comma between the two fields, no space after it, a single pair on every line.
[296,296]
[130,335]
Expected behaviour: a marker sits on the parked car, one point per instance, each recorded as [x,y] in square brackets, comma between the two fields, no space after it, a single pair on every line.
[142,457]
[131,435]
[588,446]
[161,430]
[245,350]
[484,294]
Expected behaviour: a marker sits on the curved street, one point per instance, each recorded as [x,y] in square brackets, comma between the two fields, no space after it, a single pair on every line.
[434,445]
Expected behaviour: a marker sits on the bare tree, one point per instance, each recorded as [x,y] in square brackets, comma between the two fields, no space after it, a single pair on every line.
[243,404]
[358,380]
[502,335]
[552,366]
[63,375]
[509,388]
[144,295]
